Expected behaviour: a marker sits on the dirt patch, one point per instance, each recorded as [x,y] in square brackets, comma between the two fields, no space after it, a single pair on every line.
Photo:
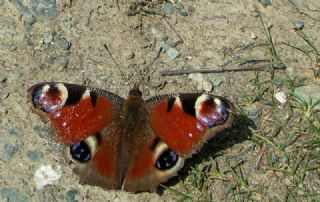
[272,151]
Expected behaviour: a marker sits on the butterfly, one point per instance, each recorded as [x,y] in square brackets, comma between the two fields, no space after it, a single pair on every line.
[128,144]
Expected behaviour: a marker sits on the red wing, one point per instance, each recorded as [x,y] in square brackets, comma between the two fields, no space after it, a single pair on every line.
[185,121]
[75,111]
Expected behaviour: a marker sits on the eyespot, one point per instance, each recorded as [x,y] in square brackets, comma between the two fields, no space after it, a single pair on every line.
[167,160]
[80,152]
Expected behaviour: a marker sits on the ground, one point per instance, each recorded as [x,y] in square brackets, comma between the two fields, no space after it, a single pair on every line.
[272,151]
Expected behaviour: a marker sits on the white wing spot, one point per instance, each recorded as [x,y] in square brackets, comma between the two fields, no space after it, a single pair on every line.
[92,142]
[64,93]
[198,104]
[45,88]
[177,102]
[86,94]
[217,101]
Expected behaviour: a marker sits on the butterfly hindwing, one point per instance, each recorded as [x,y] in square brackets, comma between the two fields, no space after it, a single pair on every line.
[185,121]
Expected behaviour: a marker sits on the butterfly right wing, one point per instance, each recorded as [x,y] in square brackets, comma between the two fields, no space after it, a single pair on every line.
[176,126]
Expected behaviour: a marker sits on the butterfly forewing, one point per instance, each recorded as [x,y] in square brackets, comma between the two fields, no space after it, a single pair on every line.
[185,121]
[75,111]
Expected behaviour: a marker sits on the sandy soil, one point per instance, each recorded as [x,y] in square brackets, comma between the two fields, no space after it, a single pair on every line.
[215,33]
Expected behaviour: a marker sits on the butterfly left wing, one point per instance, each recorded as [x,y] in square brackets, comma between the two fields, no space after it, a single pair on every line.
[184,122]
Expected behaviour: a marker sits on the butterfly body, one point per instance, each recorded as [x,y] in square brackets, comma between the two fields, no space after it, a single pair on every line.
[131,144]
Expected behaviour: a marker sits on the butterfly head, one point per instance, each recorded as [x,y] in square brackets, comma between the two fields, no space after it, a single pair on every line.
[135,91]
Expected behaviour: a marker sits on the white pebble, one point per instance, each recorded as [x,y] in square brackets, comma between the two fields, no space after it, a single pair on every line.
[46,175]
[205,86]
[281,97]
[269,25]
[197,77]
[253,35]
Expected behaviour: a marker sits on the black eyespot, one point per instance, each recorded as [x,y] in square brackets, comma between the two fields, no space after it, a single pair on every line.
[80,152]
[167,160]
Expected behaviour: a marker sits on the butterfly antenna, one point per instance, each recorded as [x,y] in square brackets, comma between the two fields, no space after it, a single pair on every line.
[121,72]
[147,68]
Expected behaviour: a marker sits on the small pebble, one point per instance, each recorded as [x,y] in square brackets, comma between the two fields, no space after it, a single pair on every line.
[10,194]
[275,158]
[61,62]
[43,132]
[43,10]
[253,35]
[67,23]
[51,1]
[281,97]
[28,31]
[216,80]
[46,175]
[34,155]
[162,44]
[308,93]
[3,78]
[130,55]
[254,113]
[191,10]
[157,34]
[277,81]
[3,110]
[71,195]
[48,36]
[287,181]
[168,8]
[63,4]
[256,14]
[13,48]
[47,13]
[8,152]
[12,130]
[183,13]
[180,8]
[173,53]
[266,3]
[63,43]
[298,25]
[205,86]
[197,77]
[33,4]
[29,18]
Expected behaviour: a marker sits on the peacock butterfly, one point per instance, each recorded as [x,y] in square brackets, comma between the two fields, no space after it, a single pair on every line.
[132,144]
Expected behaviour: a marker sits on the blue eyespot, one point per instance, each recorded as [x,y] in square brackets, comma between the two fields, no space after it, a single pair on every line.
[80,152]
[167,160]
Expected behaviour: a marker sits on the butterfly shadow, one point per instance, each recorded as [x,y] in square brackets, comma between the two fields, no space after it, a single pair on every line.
[238,133]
